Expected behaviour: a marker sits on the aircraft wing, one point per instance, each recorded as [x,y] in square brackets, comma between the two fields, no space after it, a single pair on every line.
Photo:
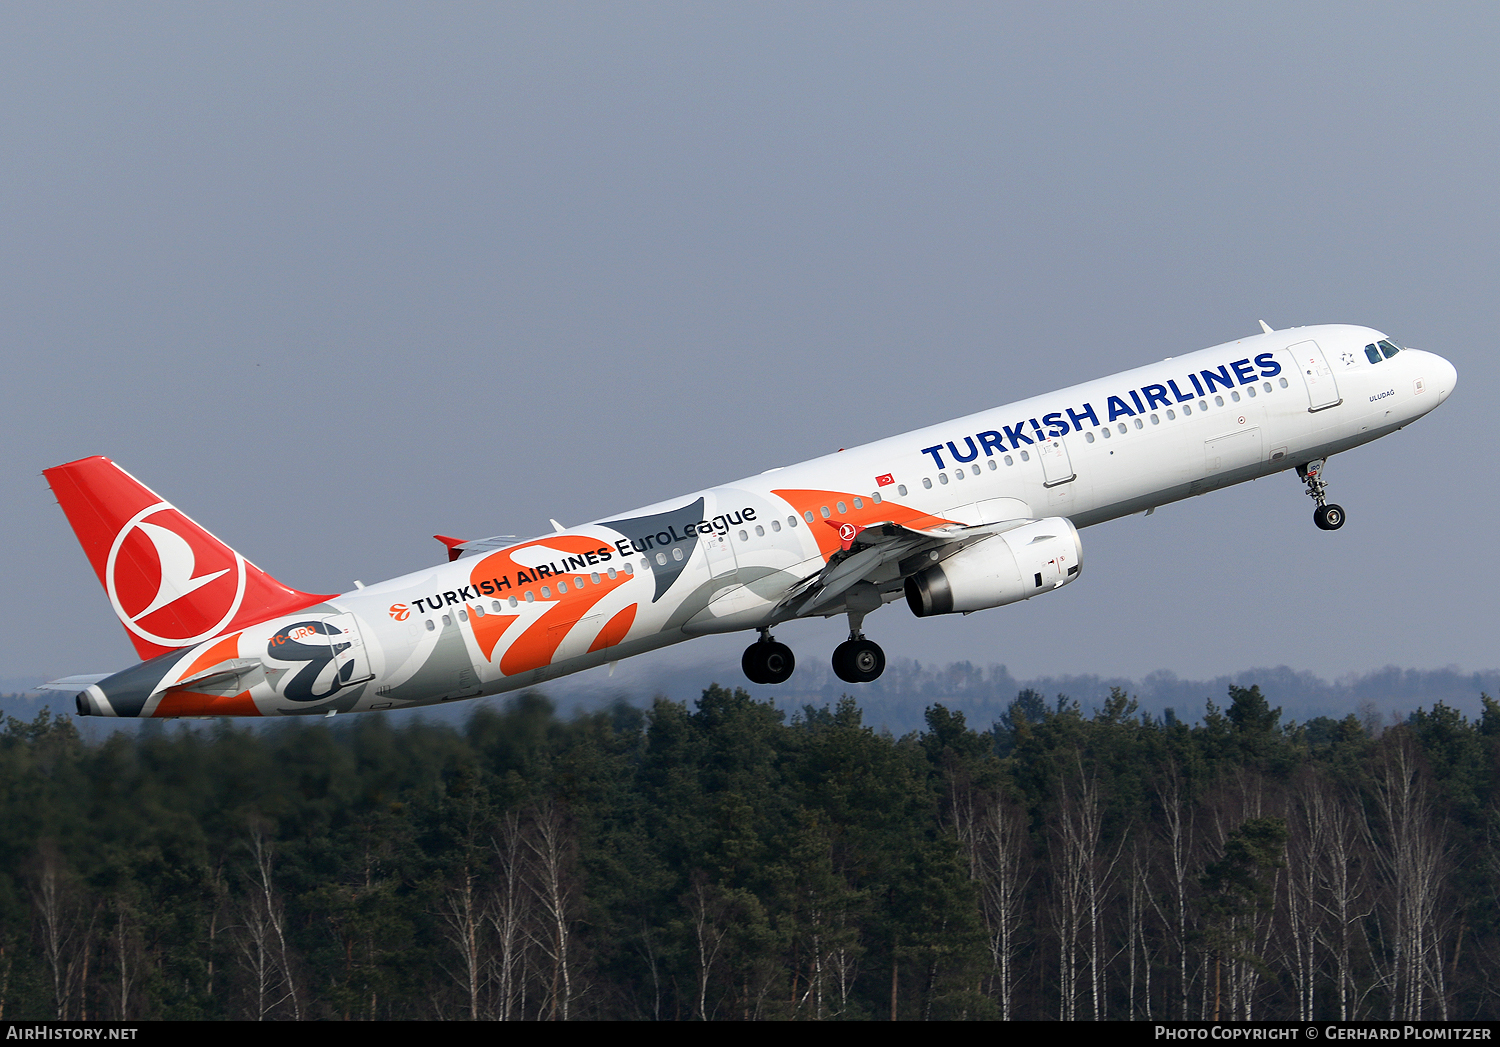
[879,544]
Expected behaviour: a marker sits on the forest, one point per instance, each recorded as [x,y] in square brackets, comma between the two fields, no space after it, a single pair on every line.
[725,861]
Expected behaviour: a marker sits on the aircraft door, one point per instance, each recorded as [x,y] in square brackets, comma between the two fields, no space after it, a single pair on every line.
[1322,388]
[1057,467]
[352,662]
[718,552]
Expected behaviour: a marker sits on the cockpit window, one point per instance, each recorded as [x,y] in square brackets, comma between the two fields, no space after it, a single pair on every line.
[1373,353]
[1389,348]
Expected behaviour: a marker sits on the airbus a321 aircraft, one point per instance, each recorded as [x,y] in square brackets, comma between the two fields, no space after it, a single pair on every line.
[970,514]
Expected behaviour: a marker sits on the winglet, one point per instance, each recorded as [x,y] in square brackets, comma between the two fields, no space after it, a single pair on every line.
[1267,328]
[454,546]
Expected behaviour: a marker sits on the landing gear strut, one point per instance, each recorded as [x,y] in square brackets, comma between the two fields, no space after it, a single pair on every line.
[767,661]
[858,660]
[1327,516]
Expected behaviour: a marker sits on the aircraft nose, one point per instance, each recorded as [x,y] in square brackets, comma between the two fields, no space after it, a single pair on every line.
[1445,379]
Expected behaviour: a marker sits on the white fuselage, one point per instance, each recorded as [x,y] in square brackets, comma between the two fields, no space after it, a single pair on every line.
[725,558]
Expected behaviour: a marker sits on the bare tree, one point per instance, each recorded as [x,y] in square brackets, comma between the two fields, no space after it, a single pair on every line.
[550,864]
[261,934]
[1083,876]
[1001,843]
[510,914]
[1411,856]
[465,915]
[66,934]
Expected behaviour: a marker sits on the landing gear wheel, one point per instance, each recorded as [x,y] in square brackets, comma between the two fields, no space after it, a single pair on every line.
[858,661]
[768,662]
[1329,517]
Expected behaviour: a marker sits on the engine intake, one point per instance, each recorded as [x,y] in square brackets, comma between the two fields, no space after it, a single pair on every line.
[1013,565]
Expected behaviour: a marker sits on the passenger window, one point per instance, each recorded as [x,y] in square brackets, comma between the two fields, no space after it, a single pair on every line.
[645,564]
[1218,401]
[992,465]
[825,512]
[1155,420]
[975,469]
[1202,405]
[1009,460]
[1025,456]
[594,577]
[479,610]
[1138,423]
[927,482]
[530,598]
[611,573]
[1283,383]
[1187,409]
[1235,396]
[447,620]
[463,615]
[1171,415]
[495,604]
[859,503]
[942,478]
[430,626]
[546,592]
[1089,437]
[1250,391]
[776,525]
[842,508]
[661,558]
[901,490]
[1121,427]
[1106,432]
[760,532]
[959,474]
[630,568]
[791,521]
[677,550]
[809,516]
[875,497]
[1266,386]
[514,602]
[562,587]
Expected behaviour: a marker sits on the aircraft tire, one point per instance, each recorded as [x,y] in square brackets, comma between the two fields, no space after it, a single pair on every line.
[768,662]
[750,664]
[777,661]
[858,661]
[1329,517]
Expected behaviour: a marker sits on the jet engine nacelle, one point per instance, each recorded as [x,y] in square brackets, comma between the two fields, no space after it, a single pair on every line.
[1013,565]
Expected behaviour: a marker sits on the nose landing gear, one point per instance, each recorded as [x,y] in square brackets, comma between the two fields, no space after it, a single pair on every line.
[1327,516]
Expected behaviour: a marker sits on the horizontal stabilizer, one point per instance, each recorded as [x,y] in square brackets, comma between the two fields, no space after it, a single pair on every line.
[73,684]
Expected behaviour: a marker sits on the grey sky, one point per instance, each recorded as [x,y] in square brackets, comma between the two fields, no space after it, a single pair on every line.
[334,278]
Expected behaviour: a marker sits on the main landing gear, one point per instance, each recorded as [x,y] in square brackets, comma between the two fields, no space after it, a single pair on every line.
[856,660]
[767,661]
[1327,516]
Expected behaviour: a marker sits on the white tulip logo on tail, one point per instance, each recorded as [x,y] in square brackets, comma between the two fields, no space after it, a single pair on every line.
[143,590]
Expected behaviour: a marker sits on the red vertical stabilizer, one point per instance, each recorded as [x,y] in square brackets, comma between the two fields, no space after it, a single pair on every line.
[171,583]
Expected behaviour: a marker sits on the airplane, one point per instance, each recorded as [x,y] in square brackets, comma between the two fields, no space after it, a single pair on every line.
[970,514]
